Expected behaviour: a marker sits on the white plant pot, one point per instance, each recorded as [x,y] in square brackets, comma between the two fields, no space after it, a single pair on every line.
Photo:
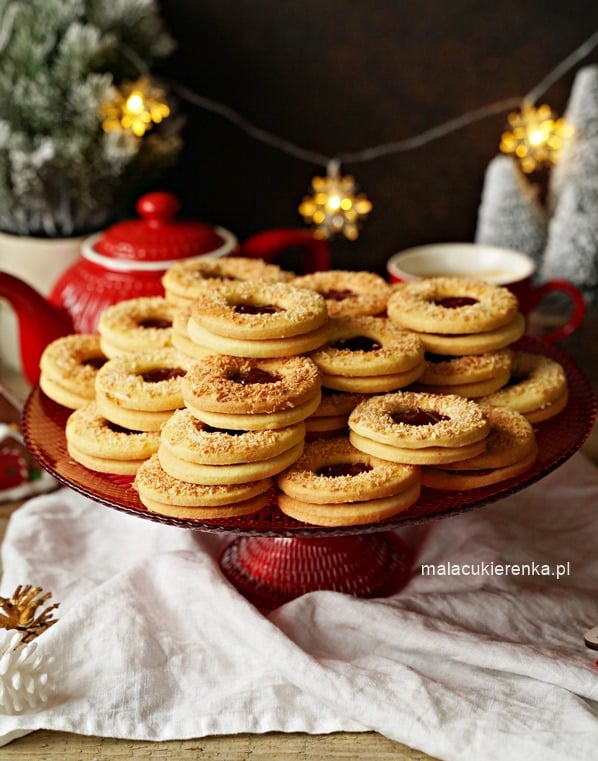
[39,262]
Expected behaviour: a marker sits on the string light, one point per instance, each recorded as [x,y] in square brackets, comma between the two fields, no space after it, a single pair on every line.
[309,207]
[136,108]
[535,136]
[335,207]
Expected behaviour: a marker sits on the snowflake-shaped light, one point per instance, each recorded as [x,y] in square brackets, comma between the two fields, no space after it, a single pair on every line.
[136,108]
[335,206]
[535,136]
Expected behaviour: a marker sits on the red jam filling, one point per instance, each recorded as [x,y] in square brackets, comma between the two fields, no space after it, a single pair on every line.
[204,427]
[255,375]
[343,469]
[453,302]
[155,322]
[437,358]
[356,343]
[96,362]
[162,374]
[337,295]
[257,309]
[418,416]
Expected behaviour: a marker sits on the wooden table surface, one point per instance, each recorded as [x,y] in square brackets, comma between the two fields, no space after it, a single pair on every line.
[52,746]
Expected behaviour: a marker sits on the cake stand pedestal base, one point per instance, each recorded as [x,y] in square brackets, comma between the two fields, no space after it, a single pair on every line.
[270,571]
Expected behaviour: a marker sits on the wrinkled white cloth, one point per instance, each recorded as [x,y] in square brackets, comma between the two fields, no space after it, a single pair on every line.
[153,643]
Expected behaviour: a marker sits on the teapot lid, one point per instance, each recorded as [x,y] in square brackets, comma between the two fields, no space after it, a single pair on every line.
[158,235]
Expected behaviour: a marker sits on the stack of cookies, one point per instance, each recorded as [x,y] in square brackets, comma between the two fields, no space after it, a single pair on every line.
[136,325]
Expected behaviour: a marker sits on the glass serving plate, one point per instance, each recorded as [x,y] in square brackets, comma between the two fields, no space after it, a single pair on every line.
[275,558]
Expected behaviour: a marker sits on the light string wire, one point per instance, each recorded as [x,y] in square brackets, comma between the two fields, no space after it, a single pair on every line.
[398,146]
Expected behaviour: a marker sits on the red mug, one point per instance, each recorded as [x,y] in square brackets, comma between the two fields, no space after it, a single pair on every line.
[501,266]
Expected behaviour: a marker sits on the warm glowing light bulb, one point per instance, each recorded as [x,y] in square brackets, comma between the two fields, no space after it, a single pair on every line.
[134,103]
[535,136]
[136,108]
[334,207]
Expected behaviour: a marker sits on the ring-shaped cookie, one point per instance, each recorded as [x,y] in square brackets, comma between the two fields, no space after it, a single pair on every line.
[431,455]
[539,385]
[259,349]
[348,293]
[364,346]
[93,434]
[333,471]
[256,310]
[475,343]
[471,368]
[436,421]
[145,381]
[475,390]
[69,366]
[136,325]
[373,384]
[192,440]
[188,279]
[451,305]
[161,493]
[234,385]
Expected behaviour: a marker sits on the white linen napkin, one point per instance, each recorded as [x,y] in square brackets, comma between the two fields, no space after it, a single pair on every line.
[153,643]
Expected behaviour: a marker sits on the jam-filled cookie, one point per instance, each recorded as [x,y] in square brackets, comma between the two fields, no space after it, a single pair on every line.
[419,428]
[472,376]
[538,387]
[188,279]
[68,369]
[259,320]
[251,394]
[511,450]
[141,390]
[457,315]
[196,452]
[160,493]
[103,446]
[334,484]
[136,325]
[348,293]
[369,355]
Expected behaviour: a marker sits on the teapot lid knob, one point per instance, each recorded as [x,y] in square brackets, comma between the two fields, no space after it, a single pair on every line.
[158,206]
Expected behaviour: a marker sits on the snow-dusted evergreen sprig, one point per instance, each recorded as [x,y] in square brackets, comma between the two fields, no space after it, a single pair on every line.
[25,675]
[60,59]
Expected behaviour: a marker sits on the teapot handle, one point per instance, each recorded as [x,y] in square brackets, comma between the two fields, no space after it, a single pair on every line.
[270,244]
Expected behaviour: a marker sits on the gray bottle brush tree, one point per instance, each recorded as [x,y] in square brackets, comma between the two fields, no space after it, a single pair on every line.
[510,214]
[60,173]
[572,247]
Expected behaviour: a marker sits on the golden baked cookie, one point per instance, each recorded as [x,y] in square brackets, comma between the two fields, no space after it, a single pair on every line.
[161,493]
[538,387]
[475,343]
[334,484]
[470,375]
[136,325]
[419,428]
[511,450]
[369,355]
[141,390]
[180,336]
[100,445]
[68,369]
[451,305]
[234,385]
[188,279]
[254,311]
[348,293]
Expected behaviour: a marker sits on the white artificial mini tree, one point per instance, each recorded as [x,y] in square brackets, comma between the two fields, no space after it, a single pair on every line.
[510,213]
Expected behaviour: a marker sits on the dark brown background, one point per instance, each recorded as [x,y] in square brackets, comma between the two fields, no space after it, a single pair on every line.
[342,75]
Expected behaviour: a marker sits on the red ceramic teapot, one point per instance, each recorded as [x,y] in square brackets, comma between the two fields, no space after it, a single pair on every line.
[127,261]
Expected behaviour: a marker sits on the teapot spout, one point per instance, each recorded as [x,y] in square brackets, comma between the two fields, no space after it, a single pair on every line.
[39,321]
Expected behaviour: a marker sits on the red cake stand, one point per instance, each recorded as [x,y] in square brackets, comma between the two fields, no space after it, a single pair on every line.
[273,558]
